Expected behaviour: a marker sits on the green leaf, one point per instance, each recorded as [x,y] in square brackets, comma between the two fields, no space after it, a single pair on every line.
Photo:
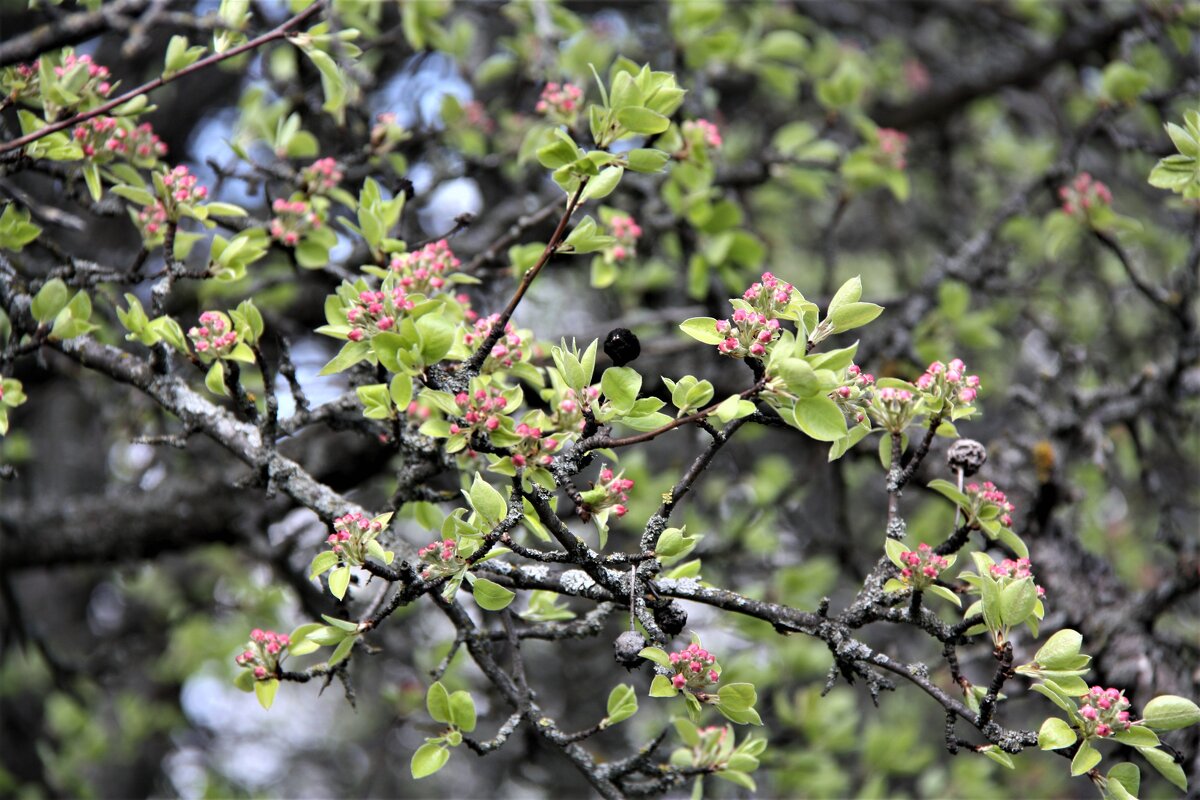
[1055,734]
[91,176]
[437,337]
[1085,759]
[1169,712]
[1124,781]
[1017,601]
[620,385]
[49,300]
[740,778]
[215,379]
[341,624]
[431,756]
[746,716]
[437,701]
[603,184]
[225,210]
[462,711]
[557,154]
[1058,698]
[800,377]
[265,692]
[487,500]
[703,329]
[738,696]
[350,354]
[1166,766]
[339,580]
[401,391]
[820,418]
[1137,736]
[376,400]
[945,594]
[999,756]
[647,160]
[491,596]
[661,686]
[848,292]
[342,650]
[895,549]
[950,491]
[322,563]
[642,120]
[673,542]
[1060,650]
[622,704]
[241,352]
[656,655]
[854,315]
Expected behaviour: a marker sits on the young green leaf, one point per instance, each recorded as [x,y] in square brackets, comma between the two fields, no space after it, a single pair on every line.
[491,596]
[1055,734]
[429,758]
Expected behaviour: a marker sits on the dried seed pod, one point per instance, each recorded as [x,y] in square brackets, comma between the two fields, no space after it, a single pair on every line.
[967,455]
[628,647]
[671,618]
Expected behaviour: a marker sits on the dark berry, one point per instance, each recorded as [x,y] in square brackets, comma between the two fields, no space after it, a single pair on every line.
[671,618]
[627,648]
[622,346]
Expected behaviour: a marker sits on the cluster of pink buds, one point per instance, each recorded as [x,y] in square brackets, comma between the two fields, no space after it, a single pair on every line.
[321,176]
[627,232]
[293,219]
[1083,194]
[481,410]
[704,131]
[425,270]
[441,557]
[569,416]
[561,101]
[464,301]
[922,566]
[893,408]
[988,493]
[694,668]
[895,396]
[214,337]
[181,186]
[893,145]
[854,395]
[1015,570]
[152,220]
[263,653]
[505,352]
[610,492]
[533,447]
[475,114]
[747,333]
[102,138]
[350,534]
[769,295]
[950,381]
[1104,712]
[144,143]
[373,312]
[97,75]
